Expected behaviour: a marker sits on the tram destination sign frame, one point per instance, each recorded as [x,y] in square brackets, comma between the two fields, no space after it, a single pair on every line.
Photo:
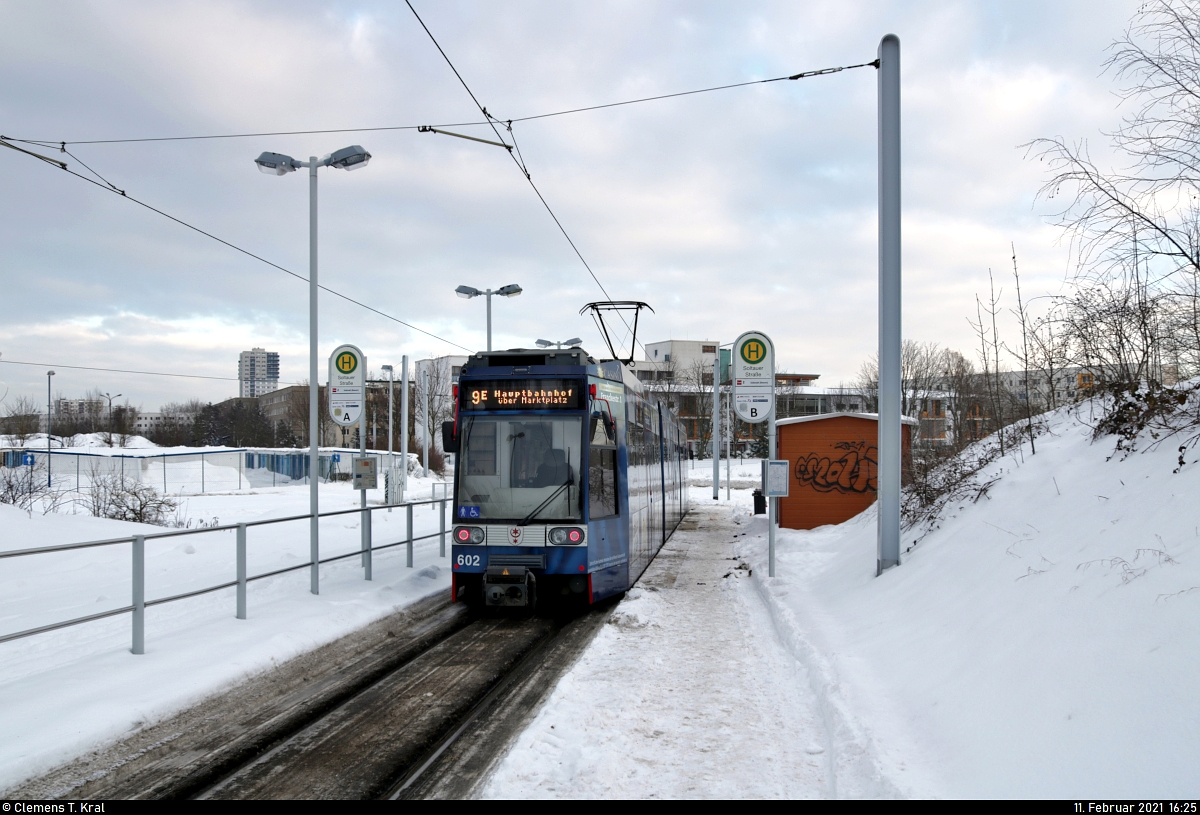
[523,394]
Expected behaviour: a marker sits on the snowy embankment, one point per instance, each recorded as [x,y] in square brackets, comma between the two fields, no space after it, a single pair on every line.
[1041,643]
[67,691]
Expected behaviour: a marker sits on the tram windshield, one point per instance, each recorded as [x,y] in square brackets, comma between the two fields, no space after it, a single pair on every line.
[520,468]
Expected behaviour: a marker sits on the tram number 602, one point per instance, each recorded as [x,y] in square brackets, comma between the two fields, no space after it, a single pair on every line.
[468,560]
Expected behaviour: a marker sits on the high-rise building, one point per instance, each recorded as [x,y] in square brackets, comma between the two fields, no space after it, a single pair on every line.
[258,372]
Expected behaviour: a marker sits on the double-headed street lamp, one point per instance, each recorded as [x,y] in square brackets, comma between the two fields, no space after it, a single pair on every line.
[558,344]
[348,158]
[466,292]
[110,398]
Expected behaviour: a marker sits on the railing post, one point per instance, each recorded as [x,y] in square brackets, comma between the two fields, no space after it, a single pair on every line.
[410,538]
[367,544]
[139,595]
[241,571]
[442,521]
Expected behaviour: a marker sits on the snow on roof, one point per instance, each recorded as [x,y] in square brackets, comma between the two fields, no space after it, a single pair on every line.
[873,417]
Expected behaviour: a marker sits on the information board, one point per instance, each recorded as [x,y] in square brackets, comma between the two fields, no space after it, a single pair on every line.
[366,472]
[753,377]
[347,385]
[776,476]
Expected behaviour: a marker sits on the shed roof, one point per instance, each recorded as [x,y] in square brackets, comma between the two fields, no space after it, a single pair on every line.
[871,417]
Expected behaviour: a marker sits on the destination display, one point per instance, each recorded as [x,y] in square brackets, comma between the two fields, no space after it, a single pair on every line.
[518,394]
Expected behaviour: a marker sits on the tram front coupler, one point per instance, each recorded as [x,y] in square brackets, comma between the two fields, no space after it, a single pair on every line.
[509,586]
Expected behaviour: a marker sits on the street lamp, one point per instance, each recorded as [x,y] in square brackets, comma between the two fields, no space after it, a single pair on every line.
[110,398]
[48,405]
[559,344]
[348,158]
[466,292]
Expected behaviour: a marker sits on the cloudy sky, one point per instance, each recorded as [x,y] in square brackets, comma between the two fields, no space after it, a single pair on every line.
[751,208]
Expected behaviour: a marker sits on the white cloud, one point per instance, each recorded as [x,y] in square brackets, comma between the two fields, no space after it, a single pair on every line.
[745,208]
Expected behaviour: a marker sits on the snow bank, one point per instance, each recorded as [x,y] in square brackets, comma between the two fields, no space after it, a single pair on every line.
[1040,644]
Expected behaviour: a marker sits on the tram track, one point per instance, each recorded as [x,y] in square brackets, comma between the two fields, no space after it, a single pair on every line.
[419,705]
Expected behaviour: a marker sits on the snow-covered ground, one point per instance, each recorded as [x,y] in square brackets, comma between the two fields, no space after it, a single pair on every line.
[686,693]
[1040,643]
[66,691]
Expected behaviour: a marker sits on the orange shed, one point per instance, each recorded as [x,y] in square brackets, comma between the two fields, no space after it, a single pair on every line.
[833,459]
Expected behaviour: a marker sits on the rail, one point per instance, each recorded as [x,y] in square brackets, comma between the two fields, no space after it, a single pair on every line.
[139,603]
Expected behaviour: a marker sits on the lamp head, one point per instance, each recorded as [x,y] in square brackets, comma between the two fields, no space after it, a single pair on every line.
[276,164]
[511,290]
[572,342]
[387,368]
[466,292]
[544,343]
[348,158]
[49,373]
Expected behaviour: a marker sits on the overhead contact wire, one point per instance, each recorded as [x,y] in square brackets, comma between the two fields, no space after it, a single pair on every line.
[114,190]
[516,161]
[801,75]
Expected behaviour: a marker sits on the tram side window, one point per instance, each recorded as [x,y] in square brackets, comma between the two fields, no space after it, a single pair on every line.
[602,482]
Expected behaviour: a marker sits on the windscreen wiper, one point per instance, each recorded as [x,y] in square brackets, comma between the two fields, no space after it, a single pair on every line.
[546,503]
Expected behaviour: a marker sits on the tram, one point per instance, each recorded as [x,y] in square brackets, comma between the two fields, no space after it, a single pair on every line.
[568,477]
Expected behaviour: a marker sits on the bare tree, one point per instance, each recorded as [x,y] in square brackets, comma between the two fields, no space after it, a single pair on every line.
[1135,231]
[921,372]
[1024,354]
[22,419]
[694,387]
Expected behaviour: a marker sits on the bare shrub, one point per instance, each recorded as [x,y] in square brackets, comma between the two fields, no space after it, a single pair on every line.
[123,499]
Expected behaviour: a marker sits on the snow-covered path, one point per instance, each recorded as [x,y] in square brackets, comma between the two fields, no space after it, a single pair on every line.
[687,693]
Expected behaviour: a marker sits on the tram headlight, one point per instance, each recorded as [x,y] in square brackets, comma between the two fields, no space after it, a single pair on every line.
[468,534]
[566,536]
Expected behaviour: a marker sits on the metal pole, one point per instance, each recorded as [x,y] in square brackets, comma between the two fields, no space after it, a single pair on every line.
[442,522]
[489,318]
[314,455]
[728,445]
[391,413]
[164,463]
[363,523]
[410,537]
[425,419]
[716,425]
[889,304]
[403,426]
[241,571]
[241,456]
[139,595]
[367,553]
[49,406]
[202,489]
[771,501]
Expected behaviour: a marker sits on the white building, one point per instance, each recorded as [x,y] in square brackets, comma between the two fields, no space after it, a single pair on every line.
[258,372]
[683,360]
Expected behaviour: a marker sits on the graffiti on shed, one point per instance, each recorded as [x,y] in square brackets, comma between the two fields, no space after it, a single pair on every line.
[854,471]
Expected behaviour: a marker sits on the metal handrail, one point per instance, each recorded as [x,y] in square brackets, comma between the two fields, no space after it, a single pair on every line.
[140,603]
[63,547]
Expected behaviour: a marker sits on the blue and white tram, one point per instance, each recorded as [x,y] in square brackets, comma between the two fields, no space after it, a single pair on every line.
[568,477]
